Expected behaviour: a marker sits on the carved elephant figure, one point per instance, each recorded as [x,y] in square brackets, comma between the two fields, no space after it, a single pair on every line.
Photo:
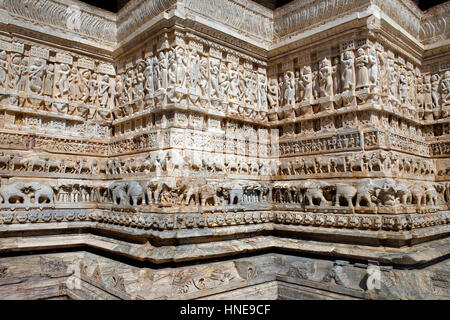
[233,191]
[54,165]
[345,191]
[173,160]
[368,190]
[4,161]
[339,164]
[135,193]
[127,193]
[154,188]
[13,193]
[208,192]
[118,193]
[35,163]
[418,196]
[402,193]
[431,195]
[42,193]
[323,164]
[310,166]
[285,168]
[315,192]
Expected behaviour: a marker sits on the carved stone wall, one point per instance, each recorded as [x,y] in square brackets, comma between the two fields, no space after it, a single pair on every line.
[325,121]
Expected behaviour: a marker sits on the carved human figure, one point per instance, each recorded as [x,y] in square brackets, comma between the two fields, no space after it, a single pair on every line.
[272,94]
[392,76]
[307,84]
[445,94]
[103,90]
[234,92]
[36,74]
[337,72]
[427,98]
[403,86]
[224,82]
[63,80]
[3,68]
[118,91]
[289,88]
[373,69]
[194,69]
[214,79]
[81,84]
[93,88]
[362,72]
[348,73]
[203,77]
[325,78]
[163,70]
[48,80]
[435,81]
[129,85]
[140,80]
[17,73]
[262,92]
[149,77]
[181,67]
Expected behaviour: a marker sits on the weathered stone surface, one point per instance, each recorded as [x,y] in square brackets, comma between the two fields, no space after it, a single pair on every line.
[181,131]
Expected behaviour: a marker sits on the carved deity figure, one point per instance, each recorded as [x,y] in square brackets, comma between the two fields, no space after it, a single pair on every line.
[419,97]
[3,68]
[250,91]
[348,74]
[36,74]
[325,78]
[63,80]
[362,72]
[80,84]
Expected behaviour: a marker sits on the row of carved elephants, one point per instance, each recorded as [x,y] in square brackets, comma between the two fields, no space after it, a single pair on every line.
[188,191]
[364,193]
[36,163]
[157,162]
[378,161]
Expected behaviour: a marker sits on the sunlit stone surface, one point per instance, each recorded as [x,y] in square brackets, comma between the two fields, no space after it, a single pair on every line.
[142,151]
